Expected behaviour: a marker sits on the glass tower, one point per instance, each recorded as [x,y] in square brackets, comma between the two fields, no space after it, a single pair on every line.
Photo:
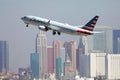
[58,68]
[116,36]
[101,42]
[119,45]
[34,61]
[4,56]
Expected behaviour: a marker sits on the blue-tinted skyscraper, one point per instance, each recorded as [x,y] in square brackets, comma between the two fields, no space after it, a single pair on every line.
[62,56]
[80,50]
[116,36]
[101,42]
[119,45]
[58,68]
[34,61]
[4,56]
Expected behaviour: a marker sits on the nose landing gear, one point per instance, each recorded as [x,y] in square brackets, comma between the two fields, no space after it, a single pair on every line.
[27,25]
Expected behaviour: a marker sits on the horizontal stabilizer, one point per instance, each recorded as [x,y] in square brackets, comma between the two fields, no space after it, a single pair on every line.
[98,32]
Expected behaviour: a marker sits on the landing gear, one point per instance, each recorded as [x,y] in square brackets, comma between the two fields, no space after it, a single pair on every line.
[54,32]
[59,33]
[46,29]
[26,25]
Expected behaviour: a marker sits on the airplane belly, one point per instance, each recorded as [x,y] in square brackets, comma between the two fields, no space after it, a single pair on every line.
[64,30]
[69,31]
[54,28]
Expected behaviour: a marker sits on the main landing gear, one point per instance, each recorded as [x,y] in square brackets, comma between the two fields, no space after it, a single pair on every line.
[54,33]
[59,33]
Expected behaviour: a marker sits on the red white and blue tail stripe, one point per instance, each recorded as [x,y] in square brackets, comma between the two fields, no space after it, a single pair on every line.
[91,24]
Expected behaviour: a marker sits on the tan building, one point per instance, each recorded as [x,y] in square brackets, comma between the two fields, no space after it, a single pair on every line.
[41,48]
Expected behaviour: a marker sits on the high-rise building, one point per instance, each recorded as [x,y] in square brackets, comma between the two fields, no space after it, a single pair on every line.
[4,56]
[80,50]
[70,48]
[119,45]
[112,68]
[57,45]
[58,68]
[101,42]
[90,65]
[41,48]
[78,59]
[67,50]
[50,59]
[116,36]
[81,46]
[34,63]
[100,60]
[62,56]
[68,72]
[87,65]
[85,44]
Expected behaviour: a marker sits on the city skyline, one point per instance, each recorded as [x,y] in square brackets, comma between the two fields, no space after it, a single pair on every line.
[114,33]
[67,58]
[22,39]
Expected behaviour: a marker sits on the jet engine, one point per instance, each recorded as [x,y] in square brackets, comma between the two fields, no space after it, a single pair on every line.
[42,28]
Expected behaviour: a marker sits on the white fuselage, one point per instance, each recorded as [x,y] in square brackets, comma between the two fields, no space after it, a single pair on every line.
[55,26]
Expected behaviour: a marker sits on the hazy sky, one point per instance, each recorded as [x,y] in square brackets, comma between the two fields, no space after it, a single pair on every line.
[74,12]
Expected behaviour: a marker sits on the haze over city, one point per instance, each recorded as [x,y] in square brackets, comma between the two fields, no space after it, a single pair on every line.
[22,40]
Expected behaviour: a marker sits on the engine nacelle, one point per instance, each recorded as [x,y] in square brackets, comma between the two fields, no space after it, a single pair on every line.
[42,28]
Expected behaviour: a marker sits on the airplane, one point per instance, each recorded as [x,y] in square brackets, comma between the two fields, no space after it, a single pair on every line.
[57,27]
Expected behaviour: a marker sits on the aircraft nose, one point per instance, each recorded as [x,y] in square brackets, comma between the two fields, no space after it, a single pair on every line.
[22,18]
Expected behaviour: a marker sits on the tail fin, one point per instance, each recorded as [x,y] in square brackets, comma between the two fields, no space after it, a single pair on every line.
[91,24]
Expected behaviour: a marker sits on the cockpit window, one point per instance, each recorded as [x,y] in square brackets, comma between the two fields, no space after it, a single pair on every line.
[25,17]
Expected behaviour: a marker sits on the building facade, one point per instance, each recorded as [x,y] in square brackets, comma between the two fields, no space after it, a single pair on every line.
[41,49]
[57,45]
[116,44]
[90,65]
[81,46]
[70,49]
[119,45]
[80,50]
[58,68]
[4,56]
[101,42]
[113,66]
[34,63]
[68,72]
[50,59]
